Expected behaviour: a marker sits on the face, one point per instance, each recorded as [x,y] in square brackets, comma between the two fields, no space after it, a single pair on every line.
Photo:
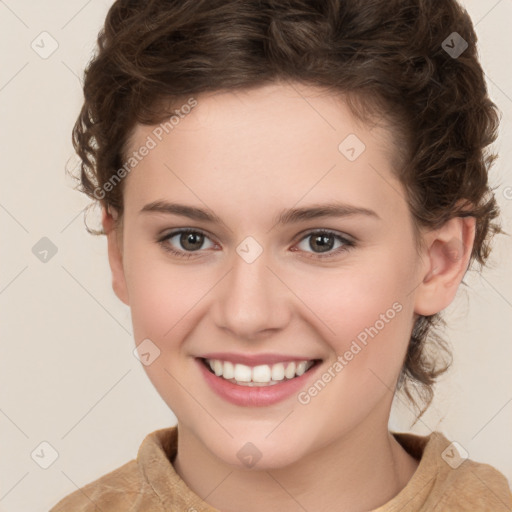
[256,281]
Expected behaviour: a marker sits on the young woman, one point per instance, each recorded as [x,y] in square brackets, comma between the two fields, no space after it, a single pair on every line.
[292,193]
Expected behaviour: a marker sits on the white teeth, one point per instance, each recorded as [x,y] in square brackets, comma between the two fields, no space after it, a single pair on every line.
[301,368]
[243,373]
[262,374]
[217,367]
[278,371]
[228,371]
[289,372]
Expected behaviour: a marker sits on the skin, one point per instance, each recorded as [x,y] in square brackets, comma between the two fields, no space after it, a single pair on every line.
[246,157]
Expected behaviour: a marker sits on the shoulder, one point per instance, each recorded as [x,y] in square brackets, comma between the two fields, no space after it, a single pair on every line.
[473,486]
[116,489]
[140,484]
[450,480]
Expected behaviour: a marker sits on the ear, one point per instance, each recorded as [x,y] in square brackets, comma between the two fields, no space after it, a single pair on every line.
[446,259]
[115,252]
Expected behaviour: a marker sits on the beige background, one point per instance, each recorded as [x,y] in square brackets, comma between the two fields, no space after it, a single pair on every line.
[68,375]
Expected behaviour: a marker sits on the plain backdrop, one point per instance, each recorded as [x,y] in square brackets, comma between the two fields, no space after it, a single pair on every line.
[68,377]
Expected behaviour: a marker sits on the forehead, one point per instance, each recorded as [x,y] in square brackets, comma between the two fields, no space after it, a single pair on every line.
[265,146]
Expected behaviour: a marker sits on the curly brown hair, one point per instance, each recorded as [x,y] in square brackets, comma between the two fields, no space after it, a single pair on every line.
[389,59]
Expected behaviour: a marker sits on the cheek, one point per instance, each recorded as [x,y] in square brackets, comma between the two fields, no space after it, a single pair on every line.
[371,323]
[364,314]
[354,298]
[162,300]
[161,294]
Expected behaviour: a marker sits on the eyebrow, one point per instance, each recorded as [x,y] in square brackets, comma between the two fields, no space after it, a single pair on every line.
[289,216]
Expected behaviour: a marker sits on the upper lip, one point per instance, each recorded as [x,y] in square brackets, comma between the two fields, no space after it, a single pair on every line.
[256,359]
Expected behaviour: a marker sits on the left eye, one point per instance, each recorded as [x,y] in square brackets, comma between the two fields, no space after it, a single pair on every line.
[324,241]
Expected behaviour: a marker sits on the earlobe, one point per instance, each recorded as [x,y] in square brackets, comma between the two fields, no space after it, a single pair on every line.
[115,253]
[446,261]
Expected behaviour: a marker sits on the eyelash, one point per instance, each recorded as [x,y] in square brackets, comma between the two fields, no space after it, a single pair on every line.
[347,244]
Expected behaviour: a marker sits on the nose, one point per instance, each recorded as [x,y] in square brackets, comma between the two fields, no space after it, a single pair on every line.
[251,301]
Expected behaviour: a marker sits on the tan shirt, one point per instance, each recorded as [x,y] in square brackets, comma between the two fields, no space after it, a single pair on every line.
[150,483]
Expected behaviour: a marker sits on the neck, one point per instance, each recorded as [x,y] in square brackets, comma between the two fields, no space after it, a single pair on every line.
[361,471]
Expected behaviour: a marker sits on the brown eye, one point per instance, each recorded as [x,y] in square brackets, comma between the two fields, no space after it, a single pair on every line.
[191,241]
[184,242]
[322,241]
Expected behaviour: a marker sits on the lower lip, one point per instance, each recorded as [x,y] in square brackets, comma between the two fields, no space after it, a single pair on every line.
[254,396]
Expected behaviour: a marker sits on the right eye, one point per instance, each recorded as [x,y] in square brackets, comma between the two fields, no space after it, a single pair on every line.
[191,240]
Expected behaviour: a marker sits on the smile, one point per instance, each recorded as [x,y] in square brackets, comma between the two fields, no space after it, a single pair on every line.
[260,375]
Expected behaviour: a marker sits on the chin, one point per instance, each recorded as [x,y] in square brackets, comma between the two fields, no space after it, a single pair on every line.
[264,455]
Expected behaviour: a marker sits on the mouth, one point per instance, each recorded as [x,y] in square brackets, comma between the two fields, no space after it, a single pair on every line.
[262,375]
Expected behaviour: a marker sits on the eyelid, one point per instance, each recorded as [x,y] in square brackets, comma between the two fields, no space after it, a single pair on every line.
[334,232]
[298,237]
[348,241]
[170,234]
